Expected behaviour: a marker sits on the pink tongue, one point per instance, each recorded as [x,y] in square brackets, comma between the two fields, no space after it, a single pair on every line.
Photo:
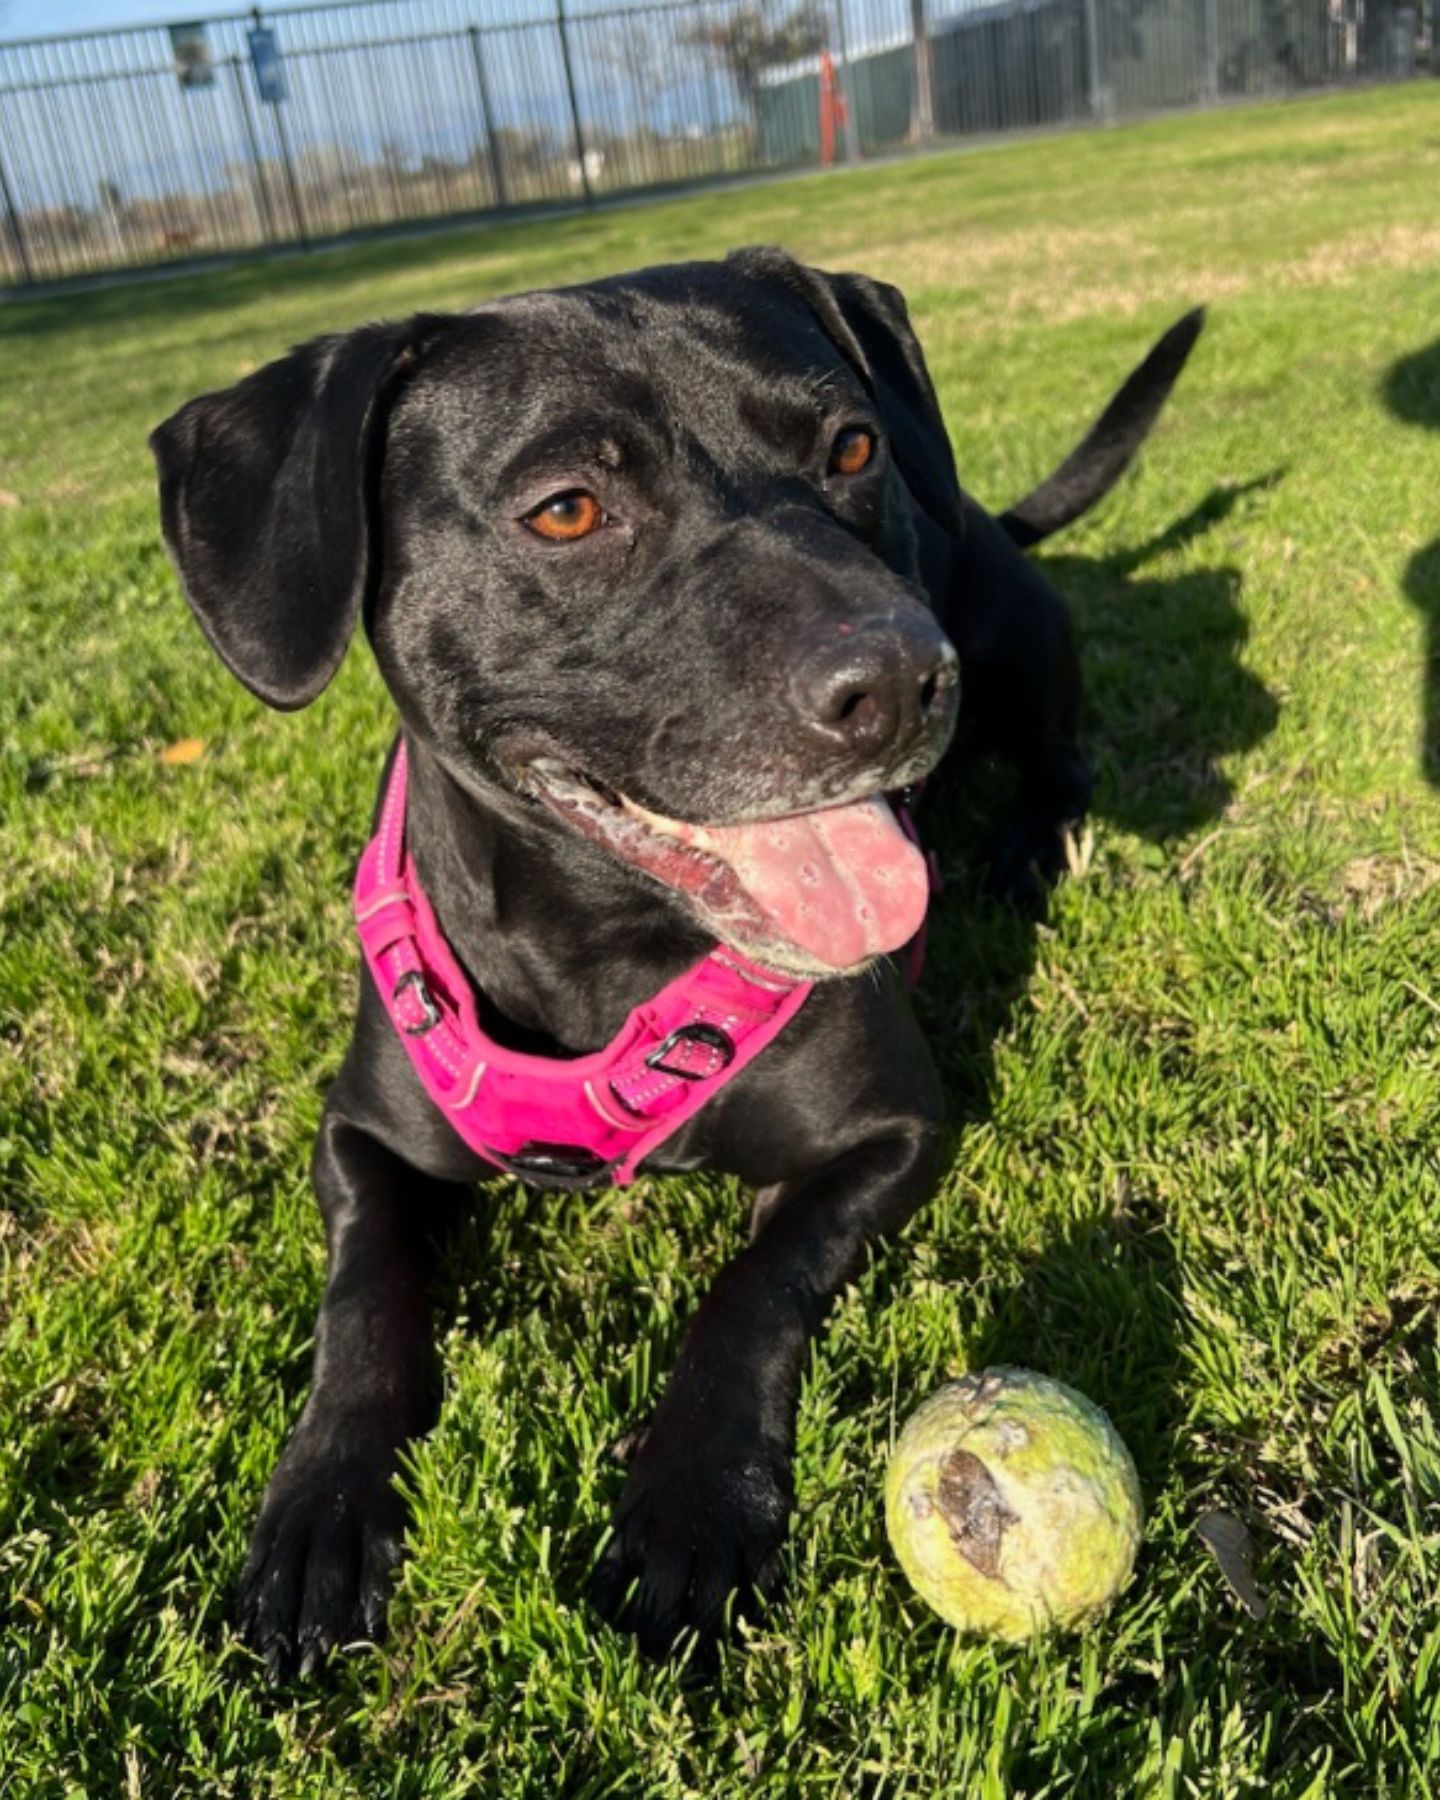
[843,884]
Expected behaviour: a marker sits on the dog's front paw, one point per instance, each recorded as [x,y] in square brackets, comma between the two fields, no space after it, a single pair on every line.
[322,1559]
[694,1525]
[1026,861]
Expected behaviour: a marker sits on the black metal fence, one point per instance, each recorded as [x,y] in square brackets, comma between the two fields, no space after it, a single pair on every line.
[158,143]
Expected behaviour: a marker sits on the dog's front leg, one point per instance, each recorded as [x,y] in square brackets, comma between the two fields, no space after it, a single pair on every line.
[324,1551]
[708,1495]
[1030,854]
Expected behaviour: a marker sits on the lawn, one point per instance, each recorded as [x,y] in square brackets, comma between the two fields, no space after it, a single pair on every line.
[1194,1169]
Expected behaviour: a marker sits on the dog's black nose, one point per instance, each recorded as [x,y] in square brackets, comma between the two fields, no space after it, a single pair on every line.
[880,687]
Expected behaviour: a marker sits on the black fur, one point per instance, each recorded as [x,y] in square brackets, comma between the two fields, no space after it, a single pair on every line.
[694,653]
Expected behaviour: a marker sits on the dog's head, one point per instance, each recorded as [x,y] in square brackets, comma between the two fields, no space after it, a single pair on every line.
[639,558]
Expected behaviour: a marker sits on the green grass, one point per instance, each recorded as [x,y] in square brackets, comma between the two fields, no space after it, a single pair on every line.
[1195,1169]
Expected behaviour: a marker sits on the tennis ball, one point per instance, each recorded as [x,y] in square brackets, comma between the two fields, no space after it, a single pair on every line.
[1012,1505]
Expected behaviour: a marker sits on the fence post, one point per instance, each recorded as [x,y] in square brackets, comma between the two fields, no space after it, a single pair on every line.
[1212,50]
[12,219]
[1099,104]
[922,120]
[560,20]
[267,212]
[302,230]
[492,149]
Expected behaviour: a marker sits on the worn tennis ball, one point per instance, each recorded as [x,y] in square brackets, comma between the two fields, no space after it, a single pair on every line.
[1012,1505]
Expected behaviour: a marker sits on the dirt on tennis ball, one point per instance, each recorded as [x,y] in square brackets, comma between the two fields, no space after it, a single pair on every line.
[1012,1505]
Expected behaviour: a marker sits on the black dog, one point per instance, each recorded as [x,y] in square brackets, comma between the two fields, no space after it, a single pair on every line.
[689,540]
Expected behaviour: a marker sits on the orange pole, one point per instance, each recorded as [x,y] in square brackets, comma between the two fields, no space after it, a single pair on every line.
[827,110]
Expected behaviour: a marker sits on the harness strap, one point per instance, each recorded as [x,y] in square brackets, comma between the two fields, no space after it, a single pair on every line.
[556,1121]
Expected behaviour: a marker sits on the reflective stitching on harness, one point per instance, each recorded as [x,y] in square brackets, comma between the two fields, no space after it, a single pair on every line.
[472,1090]
[378,906]
[394,793]
[608,1116]
[643,1096]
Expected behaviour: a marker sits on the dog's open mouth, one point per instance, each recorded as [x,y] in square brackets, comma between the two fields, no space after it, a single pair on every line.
[815,893]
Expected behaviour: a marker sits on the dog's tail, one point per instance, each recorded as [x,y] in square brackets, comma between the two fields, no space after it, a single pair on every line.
[1090,471]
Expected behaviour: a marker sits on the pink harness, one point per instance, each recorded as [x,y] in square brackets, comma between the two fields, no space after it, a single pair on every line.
[567,1122]
[584,1121]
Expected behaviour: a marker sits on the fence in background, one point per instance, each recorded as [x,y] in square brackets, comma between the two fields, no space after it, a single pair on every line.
[155,143]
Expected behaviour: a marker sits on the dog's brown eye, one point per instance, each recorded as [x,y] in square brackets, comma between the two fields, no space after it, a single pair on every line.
[566,517]
[852,450]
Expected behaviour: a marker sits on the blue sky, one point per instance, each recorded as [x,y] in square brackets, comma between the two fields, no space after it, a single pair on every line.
[38,18]
[32,18]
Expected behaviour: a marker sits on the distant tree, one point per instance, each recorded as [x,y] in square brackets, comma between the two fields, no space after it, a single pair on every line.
[642,52]
[634,48]
[759,35]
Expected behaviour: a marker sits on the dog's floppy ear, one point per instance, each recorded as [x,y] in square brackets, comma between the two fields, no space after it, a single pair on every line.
[870,324]
[265,501]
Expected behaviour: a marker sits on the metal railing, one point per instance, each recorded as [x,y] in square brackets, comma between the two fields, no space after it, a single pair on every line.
[153,143]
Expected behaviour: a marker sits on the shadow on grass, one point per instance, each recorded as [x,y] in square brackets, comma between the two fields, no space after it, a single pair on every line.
[1166,695]
[1098,1307]
[1411,389]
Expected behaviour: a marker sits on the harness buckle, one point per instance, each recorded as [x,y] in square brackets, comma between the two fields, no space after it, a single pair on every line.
[413,981]
[554,1165]
[711,1036]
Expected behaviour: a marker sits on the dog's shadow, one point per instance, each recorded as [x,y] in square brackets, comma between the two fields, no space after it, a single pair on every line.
[1166,694]
[1411,390]
[1100,1306]
[1167,697]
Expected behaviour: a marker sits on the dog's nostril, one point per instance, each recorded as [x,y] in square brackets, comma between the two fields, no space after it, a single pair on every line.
[859,715]
[928,692]
[851,704]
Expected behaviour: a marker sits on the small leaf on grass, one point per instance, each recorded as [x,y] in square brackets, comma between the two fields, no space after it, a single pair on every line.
[183,750]
[1230,1544]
